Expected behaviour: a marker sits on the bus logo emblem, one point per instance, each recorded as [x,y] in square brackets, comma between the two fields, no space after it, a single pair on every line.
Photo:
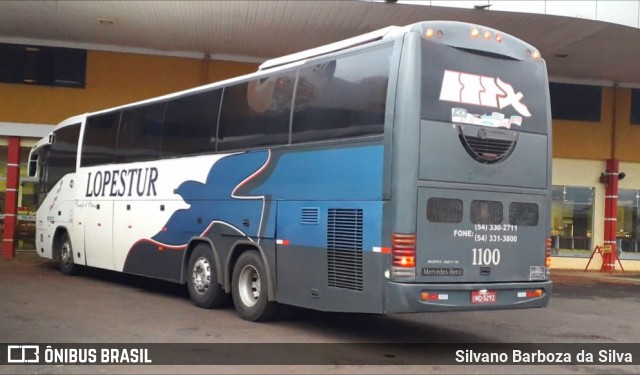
[485,91]
[23,354]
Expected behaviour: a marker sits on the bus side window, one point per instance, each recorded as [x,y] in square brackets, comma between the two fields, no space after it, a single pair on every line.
[342,98]
[190,124]
[62,154]
[256,113]
[140,133]
[99,140]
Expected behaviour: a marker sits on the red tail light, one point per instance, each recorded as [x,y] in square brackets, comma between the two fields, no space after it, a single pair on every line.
[403,250]
[403,255]
[547,252]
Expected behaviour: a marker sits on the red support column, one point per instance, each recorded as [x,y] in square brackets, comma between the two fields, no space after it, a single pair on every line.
[11,199]
[610,214]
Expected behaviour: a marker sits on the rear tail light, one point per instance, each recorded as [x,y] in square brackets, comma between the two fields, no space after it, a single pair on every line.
[547,253]
[403,255]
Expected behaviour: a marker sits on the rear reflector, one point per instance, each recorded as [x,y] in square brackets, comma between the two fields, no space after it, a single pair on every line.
[531,293]
[431,296]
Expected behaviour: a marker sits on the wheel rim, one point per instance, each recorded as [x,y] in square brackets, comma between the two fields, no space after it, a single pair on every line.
[201,275]
[249,285]
[65,254]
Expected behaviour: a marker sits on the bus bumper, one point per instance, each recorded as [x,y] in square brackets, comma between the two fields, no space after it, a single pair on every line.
[411,298]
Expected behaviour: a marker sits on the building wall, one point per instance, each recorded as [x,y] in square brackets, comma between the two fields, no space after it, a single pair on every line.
[580,151]
[586,173]
[627,136]
[583,139]
[593,140]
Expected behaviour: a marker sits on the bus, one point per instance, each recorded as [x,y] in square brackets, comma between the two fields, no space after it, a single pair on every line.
[404,170]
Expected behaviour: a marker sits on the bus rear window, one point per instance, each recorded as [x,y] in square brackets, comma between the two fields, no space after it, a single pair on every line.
[480,89]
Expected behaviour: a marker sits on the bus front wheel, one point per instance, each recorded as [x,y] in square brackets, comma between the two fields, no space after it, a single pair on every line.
[202,281]
[65,256]
[249,288]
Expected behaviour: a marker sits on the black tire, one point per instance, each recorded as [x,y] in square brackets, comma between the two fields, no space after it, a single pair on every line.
[249,289]
[202,279]
[65,256]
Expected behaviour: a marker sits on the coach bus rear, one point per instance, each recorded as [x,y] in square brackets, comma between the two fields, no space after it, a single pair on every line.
[470,172]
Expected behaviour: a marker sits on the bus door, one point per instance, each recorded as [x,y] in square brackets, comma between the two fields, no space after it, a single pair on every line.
[98,233]
[76,235]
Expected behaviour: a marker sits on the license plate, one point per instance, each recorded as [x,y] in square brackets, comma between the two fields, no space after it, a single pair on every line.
[483,296]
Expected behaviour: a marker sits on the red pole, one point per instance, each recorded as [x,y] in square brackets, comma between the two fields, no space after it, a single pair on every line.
[11,199]
[610,214]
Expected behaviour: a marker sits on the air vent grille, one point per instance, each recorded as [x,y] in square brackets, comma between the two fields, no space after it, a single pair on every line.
[344,248]
[486,212]
[487,150]
[525,214]
[488,145]
[309,215]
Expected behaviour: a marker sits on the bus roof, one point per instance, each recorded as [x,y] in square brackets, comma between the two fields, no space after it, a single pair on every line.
[386,32]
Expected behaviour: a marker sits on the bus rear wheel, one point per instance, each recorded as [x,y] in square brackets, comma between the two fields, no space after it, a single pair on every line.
[202,281]
[65,256]
[249,288]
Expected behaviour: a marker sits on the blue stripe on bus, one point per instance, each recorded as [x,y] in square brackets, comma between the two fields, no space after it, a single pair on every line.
[244,192]
[348,173]
[240,188]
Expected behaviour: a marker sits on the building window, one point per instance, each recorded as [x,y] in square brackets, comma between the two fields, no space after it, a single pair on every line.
[572,220]
[635,106]
[628,235]
[39,65]
[575,102]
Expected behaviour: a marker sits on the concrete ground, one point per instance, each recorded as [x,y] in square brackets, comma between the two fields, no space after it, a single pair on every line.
[40,305]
